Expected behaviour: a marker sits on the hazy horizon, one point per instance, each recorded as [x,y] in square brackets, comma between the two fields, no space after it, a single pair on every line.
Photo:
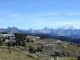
[38,14]
[62,27]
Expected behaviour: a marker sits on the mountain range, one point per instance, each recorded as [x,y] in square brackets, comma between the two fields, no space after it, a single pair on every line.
[68,32]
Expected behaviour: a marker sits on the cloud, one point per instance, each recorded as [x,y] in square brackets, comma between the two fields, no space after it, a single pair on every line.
[38,20]
[36,17]
[47,14]
[73,14]
[55,24]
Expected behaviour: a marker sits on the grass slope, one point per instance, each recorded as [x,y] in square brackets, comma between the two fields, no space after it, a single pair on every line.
[12,54]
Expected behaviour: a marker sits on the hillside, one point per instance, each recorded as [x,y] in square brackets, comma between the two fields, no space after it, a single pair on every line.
[50,46]
[13,54]
[39,49]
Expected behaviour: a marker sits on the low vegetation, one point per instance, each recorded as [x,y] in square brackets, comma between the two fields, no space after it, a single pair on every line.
[37,48]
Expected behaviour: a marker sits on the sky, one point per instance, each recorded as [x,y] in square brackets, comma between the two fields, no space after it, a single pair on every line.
[37,14]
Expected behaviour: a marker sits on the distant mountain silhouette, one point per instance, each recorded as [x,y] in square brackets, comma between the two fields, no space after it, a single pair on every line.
[11,30]
[68,32]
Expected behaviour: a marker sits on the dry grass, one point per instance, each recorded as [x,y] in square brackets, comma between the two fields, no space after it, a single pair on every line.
[31,37]
[5,52]
[13,54]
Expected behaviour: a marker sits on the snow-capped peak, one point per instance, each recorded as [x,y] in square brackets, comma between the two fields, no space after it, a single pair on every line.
[69,27]
[66,27]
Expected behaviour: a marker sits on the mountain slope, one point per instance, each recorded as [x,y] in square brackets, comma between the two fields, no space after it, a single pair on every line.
[67,31]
